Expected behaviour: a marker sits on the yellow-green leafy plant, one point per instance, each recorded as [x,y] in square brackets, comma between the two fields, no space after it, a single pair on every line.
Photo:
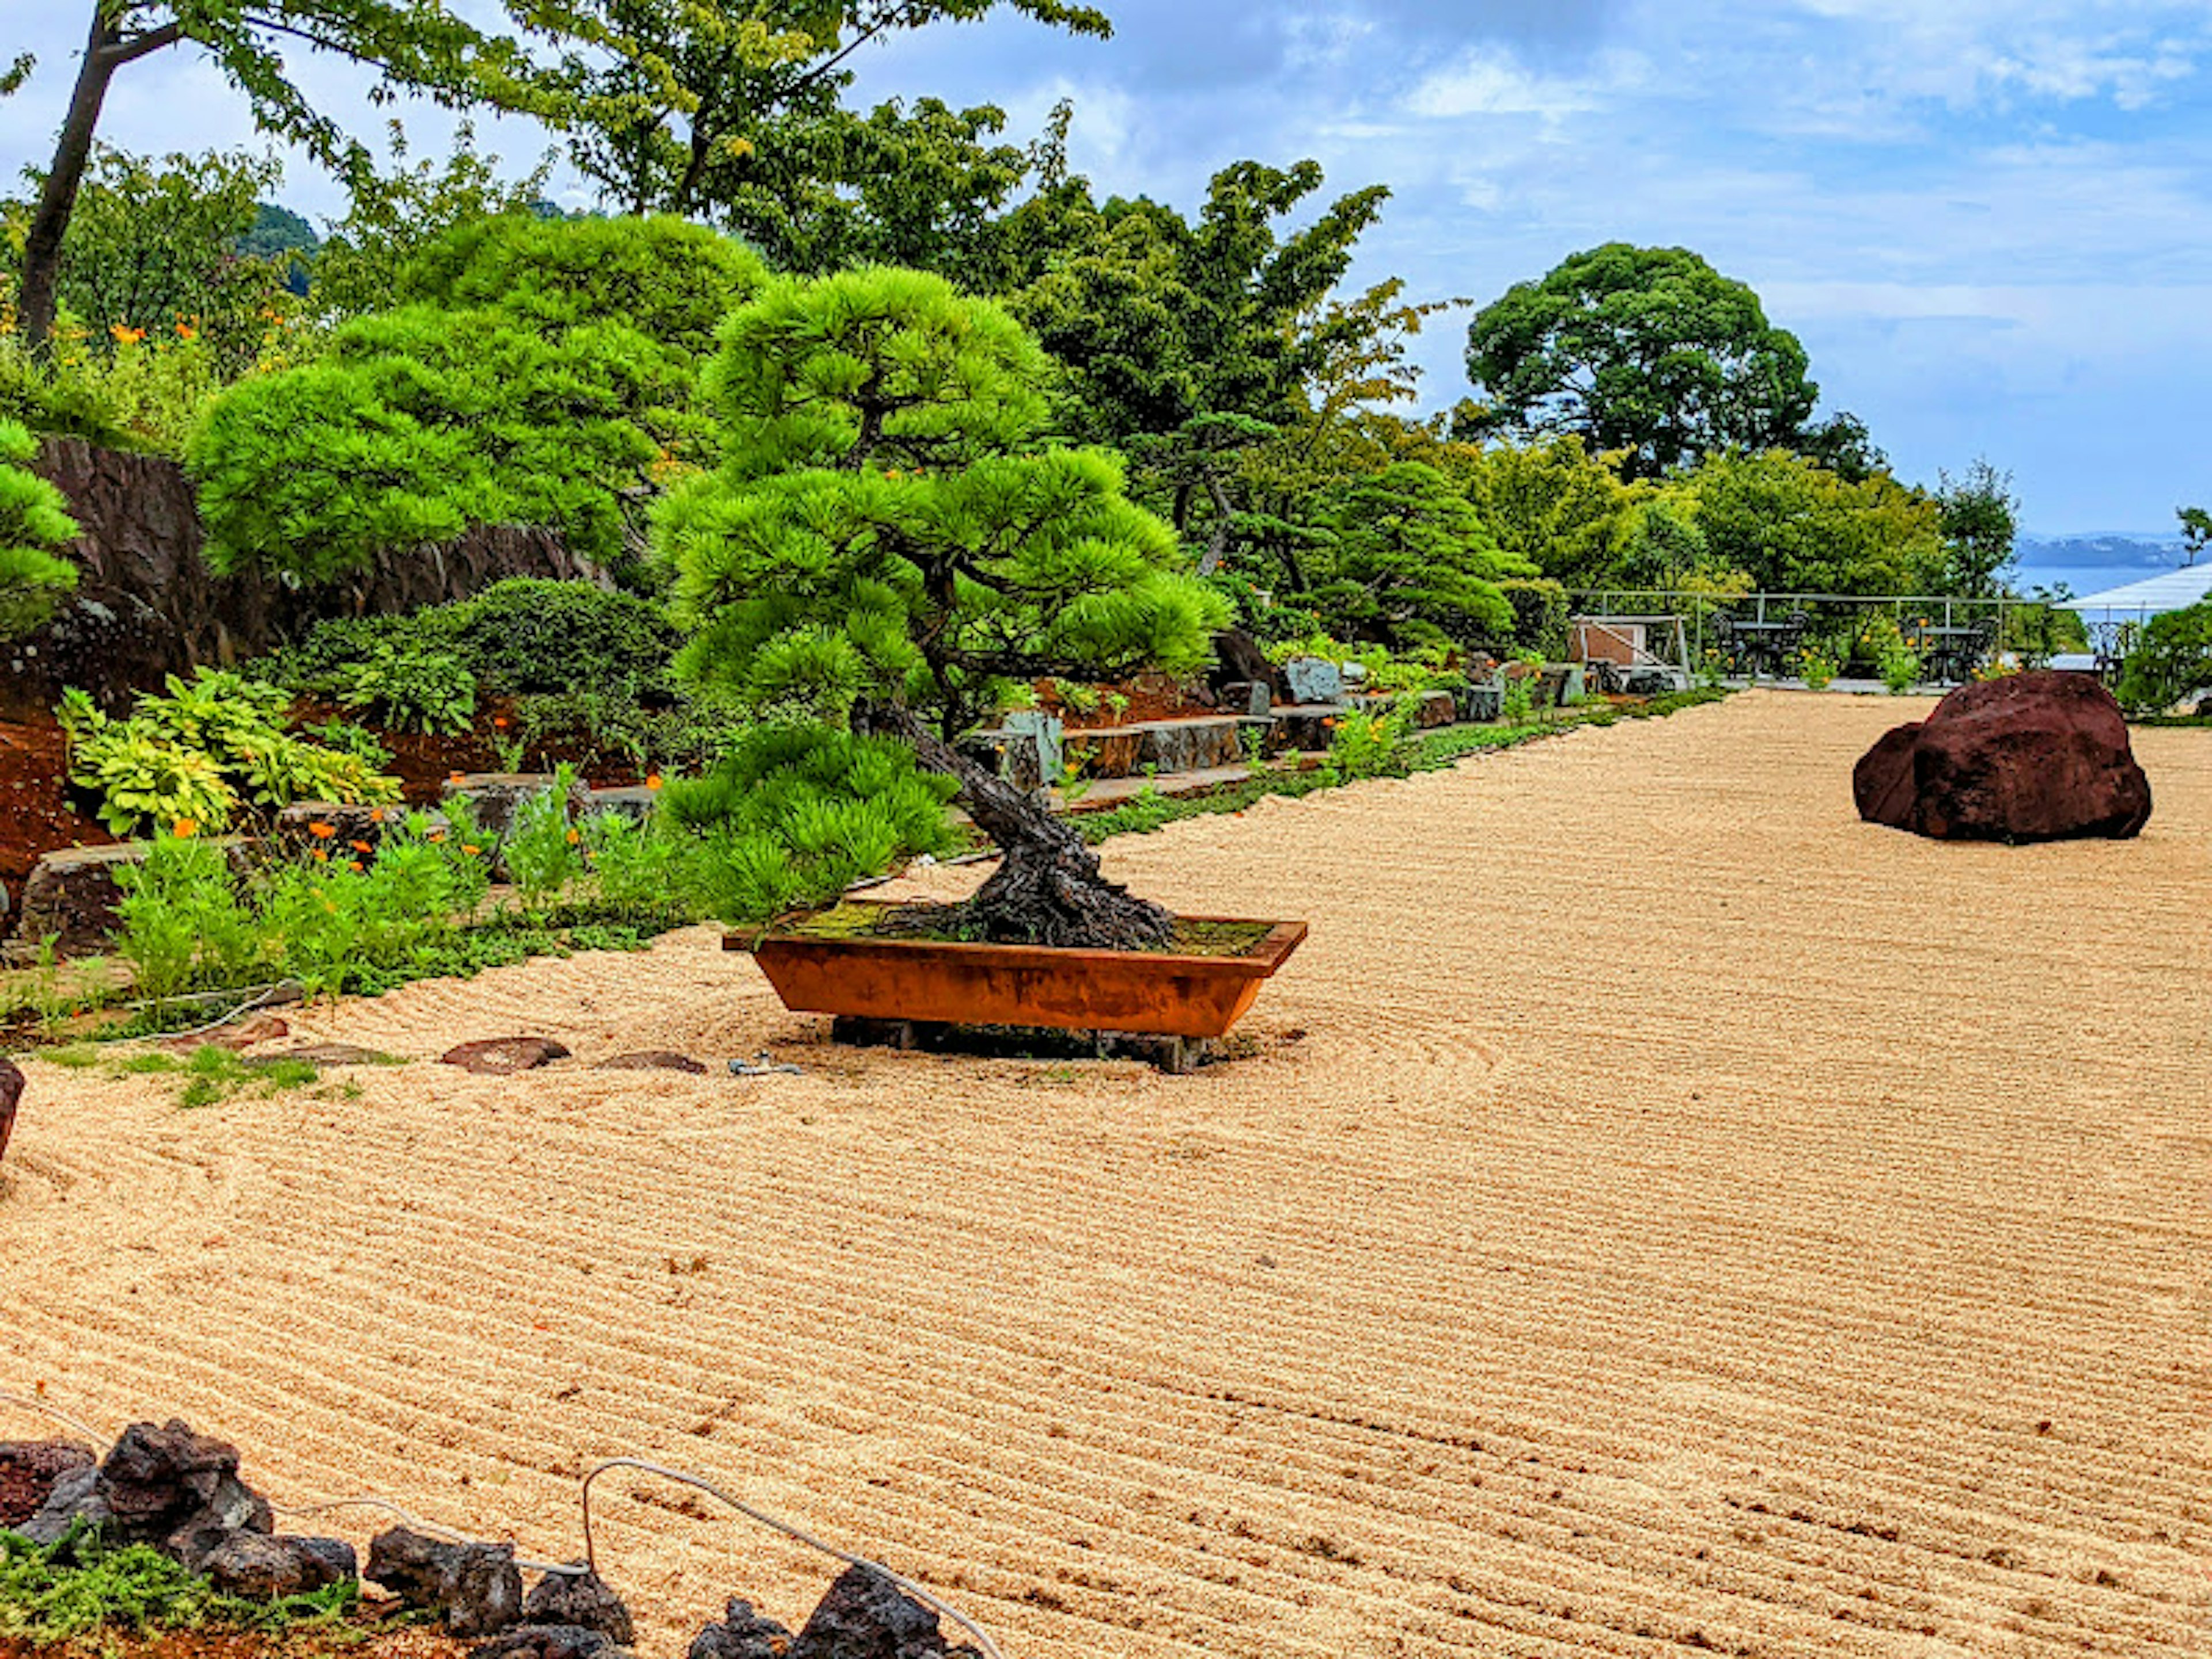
[199,756]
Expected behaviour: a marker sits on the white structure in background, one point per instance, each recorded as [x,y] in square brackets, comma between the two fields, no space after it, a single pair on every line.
[2104,613]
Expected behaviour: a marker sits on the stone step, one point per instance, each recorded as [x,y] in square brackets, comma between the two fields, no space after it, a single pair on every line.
[1193,744]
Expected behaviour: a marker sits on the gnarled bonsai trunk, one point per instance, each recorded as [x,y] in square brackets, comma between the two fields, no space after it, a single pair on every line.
[1048,890]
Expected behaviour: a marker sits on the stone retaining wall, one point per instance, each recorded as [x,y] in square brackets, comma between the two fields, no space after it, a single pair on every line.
[148,605]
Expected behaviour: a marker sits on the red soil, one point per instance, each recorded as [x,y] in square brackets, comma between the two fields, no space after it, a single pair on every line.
[1152,697]
[36,815]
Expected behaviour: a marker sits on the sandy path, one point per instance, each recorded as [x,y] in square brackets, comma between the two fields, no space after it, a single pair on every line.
[1690,1218]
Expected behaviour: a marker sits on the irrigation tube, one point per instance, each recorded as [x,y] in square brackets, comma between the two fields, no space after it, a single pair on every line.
[990,1648]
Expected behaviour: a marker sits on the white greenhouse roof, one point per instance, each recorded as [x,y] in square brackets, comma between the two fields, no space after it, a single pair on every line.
[2169,591]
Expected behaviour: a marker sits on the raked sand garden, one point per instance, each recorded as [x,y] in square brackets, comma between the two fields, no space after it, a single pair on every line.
[1658,1212]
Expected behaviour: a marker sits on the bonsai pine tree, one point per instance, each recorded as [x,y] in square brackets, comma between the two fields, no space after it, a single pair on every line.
[891,543]
[33,522]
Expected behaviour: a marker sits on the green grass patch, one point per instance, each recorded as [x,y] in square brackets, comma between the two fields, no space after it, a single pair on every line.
[79,1587]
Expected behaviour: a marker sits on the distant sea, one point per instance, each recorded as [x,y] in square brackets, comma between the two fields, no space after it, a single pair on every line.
[2091,562]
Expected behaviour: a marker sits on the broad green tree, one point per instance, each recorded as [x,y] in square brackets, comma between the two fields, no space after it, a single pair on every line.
[1980,517]
[733,112]
[1793,527]
[34,526]
[1649,352]
[892,540]
[153,248]
[411,47]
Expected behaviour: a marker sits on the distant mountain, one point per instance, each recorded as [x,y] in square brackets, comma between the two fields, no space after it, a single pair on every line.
[2088,563]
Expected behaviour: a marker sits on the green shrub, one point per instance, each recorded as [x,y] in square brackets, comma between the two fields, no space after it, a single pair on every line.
[424,690]
[526,635]
[1366,746]
[34,521]
[544,373]
[2169,659]
[197,755]
[336,922]
[797,813]
[1899,665]
[669,279]
[184,927]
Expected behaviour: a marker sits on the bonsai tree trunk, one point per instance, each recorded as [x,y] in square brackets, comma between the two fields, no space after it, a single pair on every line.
[1048,890]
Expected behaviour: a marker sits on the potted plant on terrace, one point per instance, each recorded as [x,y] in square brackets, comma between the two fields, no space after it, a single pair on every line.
[891,545]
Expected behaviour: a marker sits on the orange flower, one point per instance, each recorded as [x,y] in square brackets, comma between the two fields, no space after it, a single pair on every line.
[186,331]
[376,815]
[321,857]
[470,851]
[353,863]
[322,831]
[499,720]
[183,827]
[572,838]
[454,777]
[126,336]
[361,846]
[652,779]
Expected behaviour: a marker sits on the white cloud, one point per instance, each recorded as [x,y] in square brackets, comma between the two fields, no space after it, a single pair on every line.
[1487,80]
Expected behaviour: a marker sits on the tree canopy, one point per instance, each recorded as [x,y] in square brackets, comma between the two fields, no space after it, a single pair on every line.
[1647,351]
[542,372]
[693,107]
[891,540]
[426,49]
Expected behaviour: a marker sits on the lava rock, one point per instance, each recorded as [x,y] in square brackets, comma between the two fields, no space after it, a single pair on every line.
[11,1090]
[653,1059]
[179,1492]
[476,1589]
[504,1056]
[2025,757]
[269,1569]
[550,1642]
[76,1496]
[743,1634]
[866,1616]
[29,1468]
[579,1598]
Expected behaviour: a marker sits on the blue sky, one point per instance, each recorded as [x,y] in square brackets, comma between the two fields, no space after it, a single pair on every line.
[1984,218]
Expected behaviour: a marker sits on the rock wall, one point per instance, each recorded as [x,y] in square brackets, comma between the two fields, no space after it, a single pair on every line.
[148,605]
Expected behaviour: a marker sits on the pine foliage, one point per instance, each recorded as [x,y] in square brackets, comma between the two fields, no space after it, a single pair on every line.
[529,387]
[34,520]
[890,525]
[1414,562]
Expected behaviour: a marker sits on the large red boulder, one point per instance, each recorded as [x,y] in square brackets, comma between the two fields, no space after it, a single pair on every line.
[2040,757]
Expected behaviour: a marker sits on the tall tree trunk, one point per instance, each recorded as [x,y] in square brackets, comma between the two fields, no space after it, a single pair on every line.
[42,244]
[1047,889]
[1217,544]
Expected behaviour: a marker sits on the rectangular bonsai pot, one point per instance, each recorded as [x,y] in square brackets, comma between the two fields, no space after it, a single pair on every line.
[955,984]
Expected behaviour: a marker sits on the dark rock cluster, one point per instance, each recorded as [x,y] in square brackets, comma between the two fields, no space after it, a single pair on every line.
[181,1492]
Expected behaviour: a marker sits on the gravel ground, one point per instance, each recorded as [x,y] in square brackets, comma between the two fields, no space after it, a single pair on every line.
[1661,1213]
